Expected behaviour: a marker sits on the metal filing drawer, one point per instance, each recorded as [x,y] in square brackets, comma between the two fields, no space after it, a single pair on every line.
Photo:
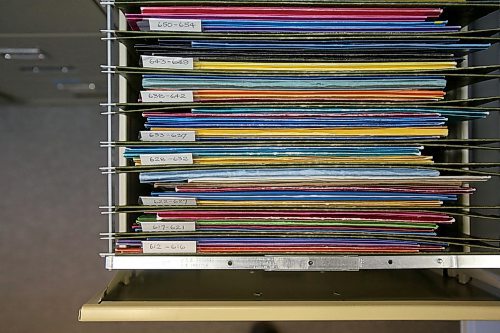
[444,286]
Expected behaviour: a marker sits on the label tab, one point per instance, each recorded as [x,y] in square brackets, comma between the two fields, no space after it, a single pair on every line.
[165,96]
[166,159]
[168,247]
[169,136]
[168,226]
[168,201]
[167,62]
[183,25]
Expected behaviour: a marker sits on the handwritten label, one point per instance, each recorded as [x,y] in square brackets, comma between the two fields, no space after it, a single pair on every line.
[167,62]
[171,136]
[168,246]
[174,25]
[168,226]
[165,96]
[166,159]
[168,201]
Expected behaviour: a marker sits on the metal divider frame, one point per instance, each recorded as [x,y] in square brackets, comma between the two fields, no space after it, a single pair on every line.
[272,262]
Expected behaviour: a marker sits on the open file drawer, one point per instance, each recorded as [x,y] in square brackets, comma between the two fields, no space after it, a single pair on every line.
[335,287]
[211,295]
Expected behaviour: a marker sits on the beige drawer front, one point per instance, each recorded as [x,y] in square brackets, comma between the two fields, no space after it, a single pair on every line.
[261,296]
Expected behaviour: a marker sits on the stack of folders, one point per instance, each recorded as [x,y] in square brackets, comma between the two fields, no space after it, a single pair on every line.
[295,129]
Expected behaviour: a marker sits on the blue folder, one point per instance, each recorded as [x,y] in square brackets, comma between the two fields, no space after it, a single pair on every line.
[132,152]
[348,45]
[308,196]
[183,175]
